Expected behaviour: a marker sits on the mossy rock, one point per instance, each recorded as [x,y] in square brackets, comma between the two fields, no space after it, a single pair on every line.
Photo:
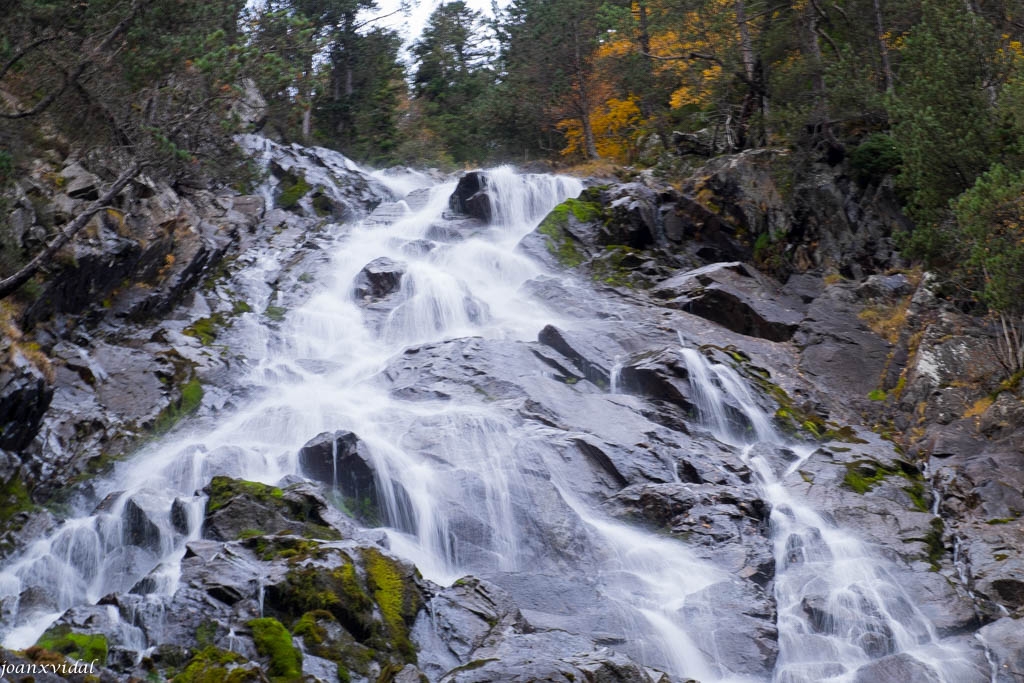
[222,490]
[281,547]
[324,637]
[397,597]
[189,401]
[86,647]
[863,475]
[205,329]
[338,591]
[274,642]
[615,267]
[555,227]
[293,189]
[351,610]
[14,498]
[258,513]
[213,665]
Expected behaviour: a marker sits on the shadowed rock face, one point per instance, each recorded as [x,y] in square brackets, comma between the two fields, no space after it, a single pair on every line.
[470,197]
[341,461]
[378,279]
[24,399]
[735,296]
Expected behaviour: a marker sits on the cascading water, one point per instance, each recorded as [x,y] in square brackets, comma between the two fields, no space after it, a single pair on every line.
[465,485]
[457,478]
[859,612]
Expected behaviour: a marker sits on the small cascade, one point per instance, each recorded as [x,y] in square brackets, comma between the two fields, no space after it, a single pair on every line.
[840,606]
[615,375]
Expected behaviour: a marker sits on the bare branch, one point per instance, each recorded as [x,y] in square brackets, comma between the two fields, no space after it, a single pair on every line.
[11,284]
[375,19]
[28,48]
[688,56]
[76,73]
[828,39]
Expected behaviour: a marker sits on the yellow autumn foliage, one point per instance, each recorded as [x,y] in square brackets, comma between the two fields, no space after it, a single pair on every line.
[614,124]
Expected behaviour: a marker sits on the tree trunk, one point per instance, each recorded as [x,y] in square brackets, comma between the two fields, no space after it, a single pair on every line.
[583,100]
[746,44]
[753,100]
[307,122]
[883,49]
[647,106]
[11,284]
[817,60]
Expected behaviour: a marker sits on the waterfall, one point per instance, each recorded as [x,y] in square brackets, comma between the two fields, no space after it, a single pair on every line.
[467,485]
[459,480]
[858,610]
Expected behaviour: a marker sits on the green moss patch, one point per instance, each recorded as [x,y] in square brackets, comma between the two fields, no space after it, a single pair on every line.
[862,476]
[14,498]
[338,591]
[85,647]
[274,642]
[323,636]
[292,192]
[223,489]
[285,547]
[614,267]
[350,610]
[275,313]
[934,542]
[213,665]
[399,602]
[189,401]
[555,227]
[205,329]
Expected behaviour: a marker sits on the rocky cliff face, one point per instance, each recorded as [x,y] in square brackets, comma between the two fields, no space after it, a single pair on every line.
[914,431]
[116,345]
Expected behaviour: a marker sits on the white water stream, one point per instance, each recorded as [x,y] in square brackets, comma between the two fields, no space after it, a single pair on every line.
[318,373]
[840,606]
[463,467]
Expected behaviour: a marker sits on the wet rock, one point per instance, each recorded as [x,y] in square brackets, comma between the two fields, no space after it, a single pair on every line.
[470,197]
[582,353]
[1003,640]
[180,521]
[804,286]
[464,617]
[135,386]
[548,656]
[25,396]
[633,216]
[899,667]
[342,461]
[885,287]
[137,528]
[236,508]
[80,183]
[991,554]
[746,641]
[378,278]
[338,459]
[661,375]
[736,296]
[839,350]
[822,219]
[252,206]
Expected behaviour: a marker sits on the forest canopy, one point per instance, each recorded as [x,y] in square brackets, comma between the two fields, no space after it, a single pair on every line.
[927,94]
